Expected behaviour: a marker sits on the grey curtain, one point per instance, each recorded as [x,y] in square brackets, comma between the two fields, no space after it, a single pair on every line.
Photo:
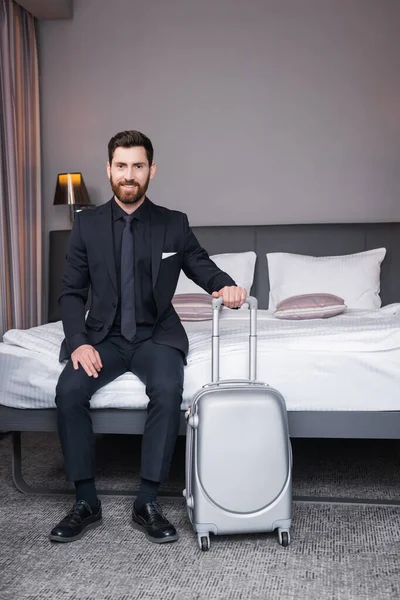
[21,286]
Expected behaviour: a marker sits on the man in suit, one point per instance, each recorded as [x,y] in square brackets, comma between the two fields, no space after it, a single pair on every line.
[129,252]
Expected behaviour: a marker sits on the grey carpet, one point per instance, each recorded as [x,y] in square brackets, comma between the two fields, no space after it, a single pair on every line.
[346,468]
[338,552]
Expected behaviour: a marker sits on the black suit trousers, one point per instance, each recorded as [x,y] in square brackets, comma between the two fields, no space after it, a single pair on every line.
[159,367]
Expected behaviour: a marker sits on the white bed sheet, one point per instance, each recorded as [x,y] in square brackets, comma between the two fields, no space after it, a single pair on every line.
[348,362]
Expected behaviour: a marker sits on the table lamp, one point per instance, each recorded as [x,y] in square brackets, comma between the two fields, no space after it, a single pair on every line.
[71,190]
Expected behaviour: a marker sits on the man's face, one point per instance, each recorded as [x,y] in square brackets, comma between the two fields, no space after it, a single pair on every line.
[130,174]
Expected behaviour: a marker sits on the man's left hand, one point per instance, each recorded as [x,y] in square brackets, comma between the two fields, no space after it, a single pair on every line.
[232,296]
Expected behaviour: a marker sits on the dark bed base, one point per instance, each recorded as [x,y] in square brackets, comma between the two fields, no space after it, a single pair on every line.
[307,424]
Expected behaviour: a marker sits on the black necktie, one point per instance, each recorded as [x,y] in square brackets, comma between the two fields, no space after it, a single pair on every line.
[128,321]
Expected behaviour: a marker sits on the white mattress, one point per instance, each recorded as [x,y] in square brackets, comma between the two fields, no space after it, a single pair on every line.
[348,362]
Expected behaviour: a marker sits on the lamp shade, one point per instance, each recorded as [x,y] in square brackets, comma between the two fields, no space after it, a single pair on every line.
[71,189]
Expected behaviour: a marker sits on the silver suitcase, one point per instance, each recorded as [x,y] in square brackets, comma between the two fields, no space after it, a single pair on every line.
[238,452]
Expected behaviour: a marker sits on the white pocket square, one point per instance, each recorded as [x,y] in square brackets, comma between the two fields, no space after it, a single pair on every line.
[167,254]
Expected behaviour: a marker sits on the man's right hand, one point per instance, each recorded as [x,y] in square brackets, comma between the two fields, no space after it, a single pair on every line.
[88,358]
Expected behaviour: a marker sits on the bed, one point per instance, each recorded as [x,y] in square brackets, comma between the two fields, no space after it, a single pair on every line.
[353,393]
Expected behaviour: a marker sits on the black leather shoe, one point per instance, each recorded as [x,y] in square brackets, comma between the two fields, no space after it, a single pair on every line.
[152,522]
[79,519]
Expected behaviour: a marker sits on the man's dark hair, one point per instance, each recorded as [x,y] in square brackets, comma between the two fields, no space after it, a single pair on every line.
[129,139]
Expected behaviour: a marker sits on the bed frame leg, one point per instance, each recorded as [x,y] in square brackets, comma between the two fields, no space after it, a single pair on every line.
[23,487]
[18,478]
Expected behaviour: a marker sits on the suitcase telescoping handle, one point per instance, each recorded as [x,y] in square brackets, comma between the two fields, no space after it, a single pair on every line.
[216,305]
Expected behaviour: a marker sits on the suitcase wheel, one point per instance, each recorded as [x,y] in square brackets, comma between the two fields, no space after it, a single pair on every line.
[204,542]
[283,537]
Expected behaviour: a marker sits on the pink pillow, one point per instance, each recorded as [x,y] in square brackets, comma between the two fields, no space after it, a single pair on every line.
[193,307]
[310,306]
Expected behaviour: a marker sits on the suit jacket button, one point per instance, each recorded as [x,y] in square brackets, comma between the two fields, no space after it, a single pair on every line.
[109,327]
[114,305]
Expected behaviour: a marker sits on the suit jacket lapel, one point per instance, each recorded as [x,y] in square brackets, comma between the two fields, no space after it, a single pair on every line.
[157,227]
[104,222]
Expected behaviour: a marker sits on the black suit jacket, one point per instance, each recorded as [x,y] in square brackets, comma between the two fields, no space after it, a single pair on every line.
[90,265]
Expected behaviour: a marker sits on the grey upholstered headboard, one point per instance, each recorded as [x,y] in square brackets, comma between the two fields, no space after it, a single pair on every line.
[315,240]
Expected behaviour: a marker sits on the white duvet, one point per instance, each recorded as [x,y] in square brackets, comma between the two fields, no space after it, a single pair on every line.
[348,362]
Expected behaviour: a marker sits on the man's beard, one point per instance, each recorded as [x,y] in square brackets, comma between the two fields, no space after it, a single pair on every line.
[130,196]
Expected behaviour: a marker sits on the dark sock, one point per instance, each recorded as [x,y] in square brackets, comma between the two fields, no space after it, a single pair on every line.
[86,490]
[147,492]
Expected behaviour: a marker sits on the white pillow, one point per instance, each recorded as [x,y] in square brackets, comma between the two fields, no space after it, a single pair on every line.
[239,265]
[353,277]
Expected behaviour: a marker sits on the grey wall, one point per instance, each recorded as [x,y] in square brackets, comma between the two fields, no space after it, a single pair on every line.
[48,9]
[260,111]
